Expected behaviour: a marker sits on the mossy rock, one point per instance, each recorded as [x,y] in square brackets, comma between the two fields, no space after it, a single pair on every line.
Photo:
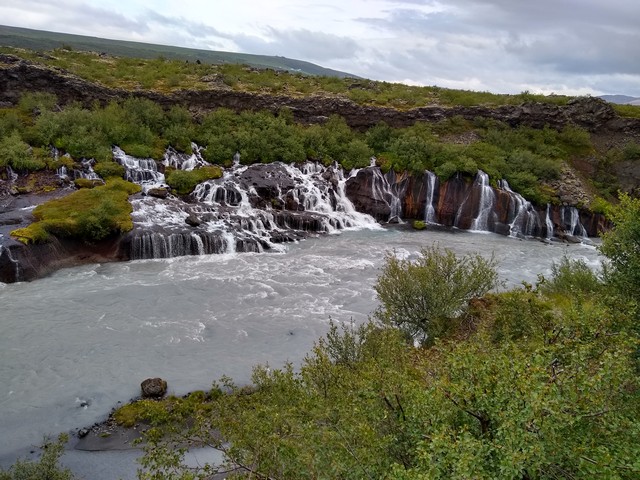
[87,183]
[419,225]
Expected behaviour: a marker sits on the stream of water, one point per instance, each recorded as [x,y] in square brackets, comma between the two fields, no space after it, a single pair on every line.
[74,344]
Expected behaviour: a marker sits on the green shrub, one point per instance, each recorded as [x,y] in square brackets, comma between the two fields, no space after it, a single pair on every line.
[571,277]
[423,297]
[109,169]
[419,225]
[87,214]
[183,182]
[45,468]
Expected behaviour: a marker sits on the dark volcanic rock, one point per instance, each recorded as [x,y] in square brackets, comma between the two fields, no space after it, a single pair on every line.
[153,388]
[193,220]
[158,192]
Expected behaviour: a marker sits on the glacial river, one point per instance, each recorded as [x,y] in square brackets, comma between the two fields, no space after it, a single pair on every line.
[74,344]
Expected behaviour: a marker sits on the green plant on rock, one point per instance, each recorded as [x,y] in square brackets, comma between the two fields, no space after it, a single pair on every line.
[183,182]
[87,214]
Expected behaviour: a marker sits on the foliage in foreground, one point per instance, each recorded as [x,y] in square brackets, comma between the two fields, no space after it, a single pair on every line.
[46,468]
[535,383]
[424,297]
[87,214]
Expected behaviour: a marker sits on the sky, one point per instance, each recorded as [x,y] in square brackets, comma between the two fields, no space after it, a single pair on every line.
[574,47]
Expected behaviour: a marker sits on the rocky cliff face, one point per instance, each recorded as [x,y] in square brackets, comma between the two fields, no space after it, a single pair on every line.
[468,204]
[18,76]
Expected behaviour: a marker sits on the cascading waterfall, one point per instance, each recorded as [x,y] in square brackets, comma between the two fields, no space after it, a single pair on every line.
[549,222]
[11,175]
[526,220]
[571,220]
[429,209]
[231,216]
[142,171]
[183,161]
[486,204]
[388,194]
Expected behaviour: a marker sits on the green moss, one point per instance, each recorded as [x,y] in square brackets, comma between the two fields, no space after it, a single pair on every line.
[184,182]
[87,214]
[109,169]
[419,225]
[86,183]
[159,412]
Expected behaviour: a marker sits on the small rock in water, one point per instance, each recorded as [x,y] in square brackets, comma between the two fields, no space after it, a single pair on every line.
[158,192]
[193,220]
[153,388]
[83,432]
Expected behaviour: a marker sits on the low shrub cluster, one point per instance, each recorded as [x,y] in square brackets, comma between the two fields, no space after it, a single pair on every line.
[87,214]
[183,182]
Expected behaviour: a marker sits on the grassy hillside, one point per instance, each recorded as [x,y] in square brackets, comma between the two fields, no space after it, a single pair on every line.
[41,41]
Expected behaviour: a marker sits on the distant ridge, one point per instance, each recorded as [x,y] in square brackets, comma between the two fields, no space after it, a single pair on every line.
[621,99]
[41,40]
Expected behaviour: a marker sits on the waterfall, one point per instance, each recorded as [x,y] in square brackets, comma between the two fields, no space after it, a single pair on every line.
[429,209]
[571,221]
[86,171]
[250,209]
[142,171]
[486,203]
[526,220]
[389,194]
[549,222]
[183,161]
[11,175]
[4,251]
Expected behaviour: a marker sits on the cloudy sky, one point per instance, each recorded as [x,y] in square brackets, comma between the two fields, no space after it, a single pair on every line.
[504,46]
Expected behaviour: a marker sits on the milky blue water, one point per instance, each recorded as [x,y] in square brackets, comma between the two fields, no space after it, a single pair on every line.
[74,344]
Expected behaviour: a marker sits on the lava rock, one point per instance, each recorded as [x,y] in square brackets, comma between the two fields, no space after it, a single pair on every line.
[158,192]
[153,388]
[193,220]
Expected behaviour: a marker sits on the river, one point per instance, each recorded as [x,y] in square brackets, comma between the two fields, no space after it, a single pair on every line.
[74,344]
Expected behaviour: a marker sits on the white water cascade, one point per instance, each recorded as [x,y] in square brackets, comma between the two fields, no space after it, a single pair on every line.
[429,209]
[250,209]
[184,161]
[388,193]
[525,219]
[142,171]
[571,221]
[549,222]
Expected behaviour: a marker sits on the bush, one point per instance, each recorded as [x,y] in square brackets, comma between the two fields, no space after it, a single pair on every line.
[423,297]
[87,214]
[109,169]
[571,277]
[45,468]
[621,246]
[183,182]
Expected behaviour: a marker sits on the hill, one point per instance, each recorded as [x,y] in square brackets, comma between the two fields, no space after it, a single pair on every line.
[40,40]
[621,99]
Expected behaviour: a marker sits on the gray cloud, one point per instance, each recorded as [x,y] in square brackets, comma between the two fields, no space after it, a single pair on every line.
[542,41]
[302,44]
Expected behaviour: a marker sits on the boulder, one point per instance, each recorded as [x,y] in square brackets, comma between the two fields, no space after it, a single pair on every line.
[193,220]
[158,192]
[153,388]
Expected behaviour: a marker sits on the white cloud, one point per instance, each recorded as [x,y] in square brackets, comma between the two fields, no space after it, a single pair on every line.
[497,45]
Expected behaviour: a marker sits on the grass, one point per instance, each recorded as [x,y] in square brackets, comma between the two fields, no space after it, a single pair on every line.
[87,214]
[165,75]
[629,111]
[183,182]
